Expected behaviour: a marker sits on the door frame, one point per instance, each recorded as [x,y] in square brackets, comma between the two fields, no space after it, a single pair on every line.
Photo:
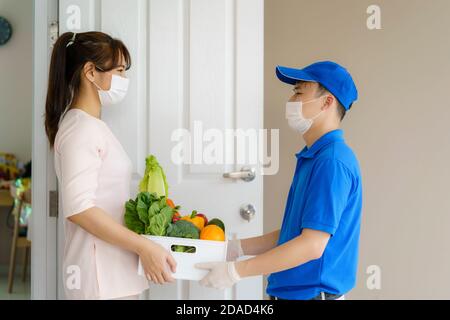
[43,227]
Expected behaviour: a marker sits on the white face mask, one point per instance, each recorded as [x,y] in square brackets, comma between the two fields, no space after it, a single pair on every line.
[117,92]
[296,120]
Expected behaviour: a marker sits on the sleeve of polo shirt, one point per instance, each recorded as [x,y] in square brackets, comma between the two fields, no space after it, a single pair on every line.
[327,196]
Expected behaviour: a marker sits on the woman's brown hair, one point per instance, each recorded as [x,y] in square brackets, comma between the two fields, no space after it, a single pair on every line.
[70,53]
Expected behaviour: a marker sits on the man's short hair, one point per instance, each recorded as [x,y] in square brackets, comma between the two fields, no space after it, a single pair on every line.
[340,108]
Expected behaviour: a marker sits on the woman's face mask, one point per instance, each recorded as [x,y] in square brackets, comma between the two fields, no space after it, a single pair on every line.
[117,92]
[296,120]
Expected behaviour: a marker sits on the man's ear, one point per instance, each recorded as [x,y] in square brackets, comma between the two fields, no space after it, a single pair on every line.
[329,101]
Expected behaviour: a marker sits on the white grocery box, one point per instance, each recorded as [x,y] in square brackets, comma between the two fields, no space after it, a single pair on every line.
[205,251]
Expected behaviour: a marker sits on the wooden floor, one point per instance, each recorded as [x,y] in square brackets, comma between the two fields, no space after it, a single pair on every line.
[21,290]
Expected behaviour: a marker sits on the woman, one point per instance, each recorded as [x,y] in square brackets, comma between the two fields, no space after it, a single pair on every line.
[87,72]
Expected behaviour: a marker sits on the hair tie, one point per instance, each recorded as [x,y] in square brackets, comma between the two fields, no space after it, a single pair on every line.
[72,40]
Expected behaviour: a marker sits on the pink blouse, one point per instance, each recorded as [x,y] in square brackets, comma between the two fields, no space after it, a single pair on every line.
[93,170]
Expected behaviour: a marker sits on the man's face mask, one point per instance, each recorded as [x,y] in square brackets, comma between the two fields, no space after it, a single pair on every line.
[296,120]
[117,92]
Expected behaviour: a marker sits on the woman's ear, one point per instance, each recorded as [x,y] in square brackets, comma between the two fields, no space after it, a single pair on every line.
[88,71]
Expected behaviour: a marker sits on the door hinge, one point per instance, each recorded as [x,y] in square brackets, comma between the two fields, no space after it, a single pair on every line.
[53,32]
[53,204]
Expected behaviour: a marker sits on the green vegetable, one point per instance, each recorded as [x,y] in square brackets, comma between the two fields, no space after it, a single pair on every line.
[154,179]
[160,221]
[132,220]
[148,214]
[183,229]
[218,223]
[186,249]
[142,203]
[154,209]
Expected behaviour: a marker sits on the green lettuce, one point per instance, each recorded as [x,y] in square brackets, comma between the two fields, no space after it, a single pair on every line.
[160,221]
[148,214]
[154,180]
[132,220]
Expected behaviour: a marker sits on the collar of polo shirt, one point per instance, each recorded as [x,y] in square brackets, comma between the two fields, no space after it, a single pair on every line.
[327,138]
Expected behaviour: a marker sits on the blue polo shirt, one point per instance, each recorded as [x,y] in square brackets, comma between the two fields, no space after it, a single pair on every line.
[325,195]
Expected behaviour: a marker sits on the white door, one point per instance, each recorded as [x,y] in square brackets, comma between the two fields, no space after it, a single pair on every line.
[197,65]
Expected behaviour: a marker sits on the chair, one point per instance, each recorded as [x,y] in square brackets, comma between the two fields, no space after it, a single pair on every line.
[19,240]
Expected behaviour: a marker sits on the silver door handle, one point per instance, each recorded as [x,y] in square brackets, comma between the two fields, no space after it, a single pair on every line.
[247,174]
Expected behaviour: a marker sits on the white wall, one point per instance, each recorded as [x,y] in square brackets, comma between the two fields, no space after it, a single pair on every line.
[16,80]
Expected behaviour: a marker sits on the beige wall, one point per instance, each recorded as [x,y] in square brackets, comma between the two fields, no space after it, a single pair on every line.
[15,96]
[16,80]
[399,129]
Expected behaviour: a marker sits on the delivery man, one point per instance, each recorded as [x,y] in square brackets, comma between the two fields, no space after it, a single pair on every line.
[315,254]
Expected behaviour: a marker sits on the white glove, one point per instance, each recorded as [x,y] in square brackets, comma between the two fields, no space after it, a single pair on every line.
[234,250]
[222,275]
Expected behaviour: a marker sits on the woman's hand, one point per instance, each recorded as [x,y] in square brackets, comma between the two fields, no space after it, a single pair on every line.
[156,262]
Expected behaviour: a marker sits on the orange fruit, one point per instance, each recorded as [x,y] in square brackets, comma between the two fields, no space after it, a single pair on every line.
[212,232]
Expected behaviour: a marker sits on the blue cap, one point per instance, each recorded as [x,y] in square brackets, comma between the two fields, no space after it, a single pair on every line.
[330,75]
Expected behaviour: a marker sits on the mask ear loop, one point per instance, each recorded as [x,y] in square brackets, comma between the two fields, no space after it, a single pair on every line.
[321,111]
[98,87]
